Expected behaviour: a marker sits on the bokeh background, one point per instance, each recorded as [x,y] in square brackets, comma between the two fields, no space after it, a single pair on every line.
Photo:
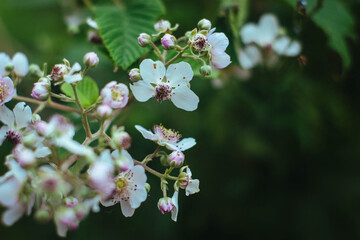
[278,154]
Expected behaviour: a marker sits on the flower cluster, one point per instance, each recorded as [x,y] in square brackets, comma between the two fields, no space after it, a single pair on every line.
[60,179]
[264,42]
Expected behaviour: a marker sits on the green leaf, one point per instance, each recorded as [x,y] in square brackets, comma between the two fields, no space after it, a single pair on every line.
[87,89]
[120,27]
[337,22]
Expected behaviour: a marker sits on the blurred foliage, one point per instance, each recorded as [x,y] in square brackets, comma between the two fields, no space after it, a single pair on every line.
[278,154]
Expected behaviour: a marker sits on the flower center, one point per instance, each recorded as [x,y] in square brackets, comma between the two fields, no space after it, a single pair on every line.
[200,42]
[120,183]
[163,92]
[13,137]
[117,94]
[168,135]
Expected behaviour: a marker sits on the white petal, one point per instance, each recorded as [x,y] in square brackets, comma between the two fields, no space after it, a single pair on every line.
[175,210]
[69,79]
[139,175]
[249,57]
[220,59]
[21,64]
[146,134]
[192,187]
[3,131]
[185,144]
[108,203]
[22,115]
[60,228]
[184,98]
[138,196]
[72,146]
[9,192]
[294,49]
[268,29]
[30,205]
[142,90]
[11,215]
[42,152]
[169,146]
[218,41]
[152,72]
[126,209]
[18,172]
[92,23]
[7,116]
[179,72]
[249,33]
[4,60]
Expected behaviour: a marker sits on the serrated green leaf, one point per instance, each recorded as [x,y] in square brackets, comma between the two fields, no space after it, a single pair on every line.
[87,89]
[120,27]
[337,22]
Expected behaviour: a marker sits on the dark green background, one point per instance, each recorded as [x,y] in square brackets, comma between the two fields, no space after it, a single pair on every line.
[278,156]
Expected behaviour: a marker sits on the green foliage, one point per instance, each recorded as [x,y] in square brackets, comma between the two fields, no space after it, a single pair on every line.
[336,21]
[121,25]
[87,90]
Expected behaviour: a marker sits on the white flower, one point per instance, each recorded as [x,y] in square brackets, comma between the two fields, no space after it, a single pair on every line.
[130,190]
[249,57]
[164,85]
[11,185]
[14,122]
[266,35]
[19,62]
[167,137]
[218,43]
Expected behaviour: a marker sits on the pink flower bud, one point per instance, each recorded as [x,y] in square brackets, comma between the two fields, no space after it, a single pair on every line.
[168,41]
[71,201]
[176,158]
[41,89]
[134,74]
[24,156]
[165,205]
[40,127]
[104,111]
[122,139]
[115,95]
[7,90]
[91,59]
[144,39]
[162,26]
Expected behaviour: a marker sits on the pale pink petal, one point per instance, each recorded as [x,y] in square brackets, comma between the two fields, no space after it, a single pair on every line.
[218,41]
[147,134]
[192,187]
[126,209]
[268,29]
[175,210]
[179,72]
[22,114]
[184,98]
[142,91]
[152,72]
[4,60]
[13,214]
[7,116]
[21,64]
[249,33]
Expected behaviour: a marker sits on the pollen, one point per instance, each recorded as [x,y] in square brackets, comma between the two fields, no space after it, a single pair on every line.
[168,135]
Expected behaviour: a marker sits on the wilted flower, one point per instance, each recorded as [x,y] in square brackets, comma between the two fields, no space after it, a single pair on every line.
[116,95]
[163,85]
[167,137]
[7,90]
[63,72]
[190,185]
[175,210]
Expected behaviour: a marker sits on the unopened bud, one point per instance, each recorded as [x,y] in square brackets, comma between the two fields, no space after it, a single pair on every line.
[144,39]
[35,70]
[41,89]
[205,70]
[164,158]
[42,215]
[104,111]
[188,35]
[122,139]
[147,187]
[134,74]
[35,118]
[29,140]
[71,201]
[204,24]
[168,41]
[9,67]
[91,59]
[24,156]
[176,158]
[162,26]
[165,205]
